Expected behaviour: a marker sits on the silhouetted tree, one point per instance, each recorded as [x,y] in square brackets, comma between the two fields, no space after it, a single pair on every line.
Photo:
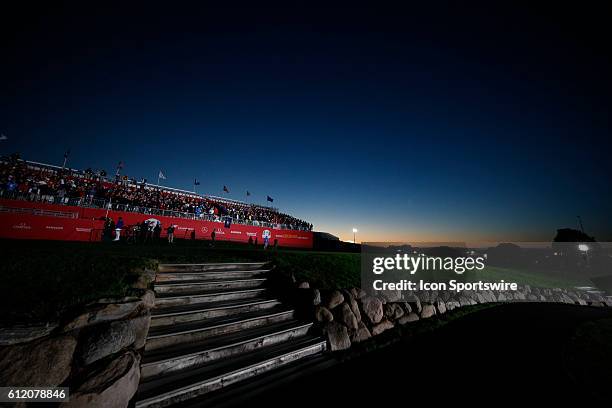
[572,235]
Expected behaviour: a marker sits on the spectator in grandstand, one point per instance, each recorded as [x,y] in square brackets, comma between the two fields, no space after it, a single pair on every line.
[11,186]
[28,181]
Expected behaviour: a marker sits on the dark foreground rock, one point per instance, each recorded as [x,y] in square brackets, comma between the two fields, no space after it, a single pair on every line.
[112,386]
[44,362]
[337,336]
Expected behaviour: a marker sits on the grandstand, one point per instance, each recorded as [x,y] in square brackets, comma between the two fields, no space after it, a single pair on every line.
[30,188]
[32,181]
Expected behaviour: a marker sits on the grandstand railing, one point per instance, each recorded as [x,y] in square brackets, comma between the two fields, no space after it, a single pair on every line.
[130,182]
[91,202]
[37,211]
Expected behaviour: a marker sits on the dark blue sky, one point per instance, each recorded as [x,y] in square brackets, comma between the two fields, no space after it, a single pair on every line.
[441,123]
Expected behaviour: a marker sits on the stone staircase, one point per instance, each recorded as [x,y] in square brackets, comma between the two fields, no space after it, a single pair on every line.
[215,325]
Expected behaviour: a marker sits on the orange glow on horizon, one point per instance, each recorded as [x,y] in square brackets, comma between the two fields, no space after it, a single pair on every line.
[381,236]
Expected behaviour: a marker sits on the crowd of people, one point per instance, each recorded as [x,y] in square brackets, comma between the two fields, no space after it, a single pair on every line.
[29,181]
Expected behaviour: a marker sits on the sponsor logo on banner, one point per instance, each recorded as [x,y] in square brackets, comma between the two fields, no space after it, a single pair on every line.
[89,221]
[290,236]
[23,226]
[155,220]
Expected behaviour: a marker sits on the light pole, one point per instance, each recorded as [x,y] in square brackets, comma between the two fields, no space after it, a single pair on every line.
[354,235]
[584,248]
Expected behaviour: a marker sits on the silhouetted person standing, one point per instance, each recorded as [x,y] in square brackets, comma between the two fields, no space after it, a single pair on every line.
[150,228]
[109,226]
[118,229]
[170,231]
[157,231]
[142,233]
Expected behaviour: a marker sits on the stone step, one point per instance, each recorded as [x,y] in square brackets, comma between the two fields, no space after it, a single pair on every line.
[166,336]
[191,355]
[163,277]
[199,311]
[187,298]
[225,266]
[191,286]
[186,384]
[241,394]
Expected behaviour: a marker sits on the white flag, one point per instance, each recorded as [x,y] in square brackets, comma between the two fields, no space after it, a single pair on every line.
[161,175]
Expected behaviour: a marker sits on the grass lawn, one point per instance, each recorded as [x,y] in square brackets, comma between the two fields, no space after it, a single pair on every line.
[44,278]
[324,270]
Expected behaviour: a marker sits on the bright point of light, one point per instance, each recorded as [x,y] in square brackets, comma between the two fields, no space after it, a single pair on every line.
[355,230]
[583,247]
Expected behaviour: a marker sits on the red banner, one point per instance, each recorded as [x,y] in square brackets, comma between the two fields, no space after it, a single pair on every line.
[27,220]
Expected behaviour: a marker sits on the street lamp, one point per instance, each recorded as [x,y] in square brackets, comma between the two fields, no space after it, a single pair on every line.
[584,248]
[354,232]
